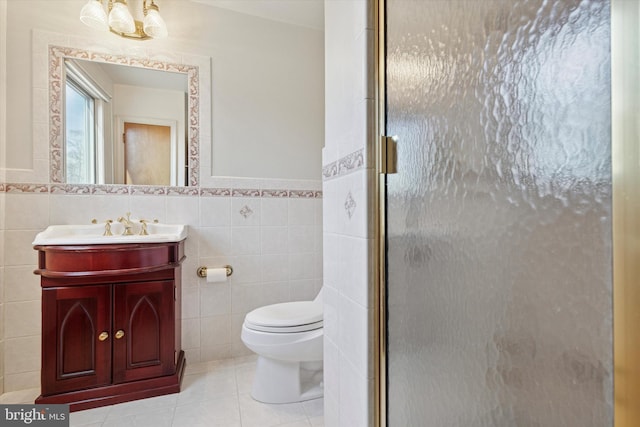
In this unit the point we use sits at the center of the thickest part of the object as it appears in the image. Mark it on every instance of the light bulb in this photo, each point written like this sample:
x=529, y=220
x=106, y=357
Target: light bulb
x=93, y=15
x=120, y=19
x=154, y=25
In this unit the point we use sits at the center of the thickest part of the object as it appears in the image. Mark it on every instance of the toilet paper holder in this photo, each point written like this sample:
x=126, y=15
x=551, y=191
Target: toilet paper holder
x=202, y=271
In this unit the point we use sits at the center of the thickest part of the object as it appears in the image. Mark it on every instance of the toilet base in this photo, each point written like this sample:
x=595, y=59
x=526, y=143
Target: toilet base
x=278, y=381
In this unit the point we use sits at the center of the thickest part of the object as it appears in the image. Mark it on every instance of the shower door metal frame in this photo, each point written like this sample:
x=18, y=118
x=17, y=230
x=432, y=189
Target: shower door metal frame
x=379, y=218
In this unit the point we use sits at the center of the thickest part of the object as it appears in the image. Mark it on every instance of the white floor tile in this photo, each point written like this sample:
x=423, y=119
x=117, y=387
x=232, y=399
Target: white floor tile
x=213, y=394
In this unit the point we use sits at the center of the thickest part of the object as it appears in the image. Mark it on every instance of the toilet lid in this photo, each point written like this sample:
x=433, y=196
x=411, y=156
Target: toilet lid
x=296, y=316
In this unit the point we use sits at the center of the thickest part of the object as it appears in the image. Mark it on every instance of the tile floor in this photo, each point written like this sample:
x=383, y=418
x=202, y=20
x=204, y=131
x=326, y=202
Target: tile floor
x=214, y=394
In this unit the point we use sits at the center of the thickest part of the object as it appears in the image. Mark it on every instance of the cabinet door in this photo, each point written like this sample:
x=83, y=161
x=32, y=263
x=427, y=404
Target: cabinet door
x=144, y=330
x=75, y=350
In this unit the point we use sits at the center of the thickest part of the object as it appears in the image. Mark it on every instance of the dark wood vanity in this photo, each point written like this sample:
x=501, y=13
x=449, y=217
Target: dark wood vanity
x=110, y=322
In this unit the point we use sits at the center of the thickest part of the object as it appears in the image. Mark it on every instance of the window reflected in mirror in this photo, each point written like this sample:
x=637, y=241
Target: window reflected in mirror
x=80, y=136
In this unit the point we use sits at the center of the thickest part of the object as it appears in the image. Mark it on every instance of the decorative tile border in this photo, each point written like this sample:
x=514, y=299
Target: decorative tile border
x=302, y=194
x=137, y=190
x=215, y=192
x=245, y=192
x=143, y=190
x=182, y=191
x=69, y=189
x=347, y=164
x=26, y=188
x=274, y=193
x=110, y=189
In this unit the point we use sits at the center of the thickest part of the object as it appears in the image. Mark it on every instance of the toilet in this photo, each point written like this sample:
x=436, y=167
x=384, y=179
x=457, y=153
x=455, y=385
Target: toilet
x=287, y=338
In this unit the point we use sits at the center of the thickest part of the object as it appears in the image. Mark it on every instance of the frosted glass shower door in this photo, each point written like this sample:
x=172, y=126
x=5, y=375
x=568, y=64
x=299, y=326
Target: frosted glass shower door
x=499, y=257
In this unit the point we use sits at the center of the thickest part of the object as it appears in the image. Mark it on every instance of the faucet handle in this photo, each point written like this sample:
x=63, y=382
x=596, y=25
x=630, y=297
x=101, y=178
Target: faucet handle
x=107, y=228
x=143, y=229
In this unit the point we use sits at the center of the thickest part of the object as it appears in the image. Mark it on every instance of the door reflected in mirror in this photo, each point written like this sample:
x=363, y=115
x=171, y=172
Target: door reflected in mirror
x=147, y=154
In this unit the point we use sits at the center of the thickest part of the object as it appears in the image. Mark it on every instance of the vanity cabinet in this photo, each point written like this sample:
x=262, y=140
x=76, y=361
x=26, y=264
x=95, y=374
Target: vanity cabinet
x=110, y=323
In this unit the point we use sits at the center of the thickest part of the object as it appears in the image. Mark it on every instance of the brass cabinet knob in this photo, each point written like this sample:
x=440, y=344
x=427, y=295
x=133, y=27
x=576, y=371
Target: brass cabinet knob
x=119, y=334
x=103, y=336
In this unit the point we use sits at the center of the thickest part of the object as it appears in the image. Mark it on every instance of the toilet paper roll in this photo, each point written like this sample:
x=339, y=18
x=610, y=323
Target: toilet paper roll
x=216, y=275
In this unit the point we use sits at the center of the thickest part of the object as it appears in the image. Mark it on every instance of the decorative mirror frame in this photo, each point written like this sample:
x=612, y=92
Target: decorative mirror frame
x=57, y=55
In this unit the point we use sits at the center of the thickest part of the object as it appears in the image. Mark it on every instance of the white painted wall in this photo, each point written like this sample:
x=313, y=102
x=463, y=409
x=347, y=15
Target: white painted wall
x=266, y=89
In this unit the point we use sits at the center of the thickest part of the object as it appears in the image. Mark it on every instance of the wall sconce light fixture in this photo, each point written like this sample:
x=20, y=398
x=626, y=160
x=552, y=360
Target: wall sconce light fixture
x=121, y=22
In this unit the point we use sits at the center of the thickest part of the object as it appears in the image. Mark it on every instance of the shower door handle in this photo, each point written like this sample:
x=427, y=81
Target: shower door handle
x=389, y=154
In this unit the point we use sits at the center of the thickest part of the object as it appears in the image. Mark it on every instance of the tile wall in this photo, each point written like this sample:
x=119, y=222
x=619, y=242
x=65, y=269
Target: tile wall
x=2, y=204
x=348, y=219
x=270, y=232
x=3, y=144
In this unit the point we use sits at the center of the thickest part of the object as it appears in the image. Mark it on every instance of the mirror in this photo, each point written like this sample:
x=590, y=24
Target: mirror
x=111, y=114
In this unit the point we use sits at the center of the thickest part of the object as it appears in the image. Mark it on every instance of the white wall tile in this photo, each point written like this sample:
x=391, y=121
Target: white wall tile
x=2, y=352
x=216, y=329
x=215, y=299
x=354, y=255
x=274, y=240
x=22, y=252
x=245, y=241
x=21, y=381
x=353, y=341
x=213, y=241
x=274, y=268
x=302, y=266
x=302, y=239
x=304, y=290
x=246, y=269
x=237, y=346
x=3, y=199
x=2, y=246
x=331, y=316
x=143, y=207
x=331, y=373
x=190, y=303
x=183, y=210
x=22, y=319
x=274, y=211
x=81, y=209
x=191, y=333
x=245, y=211
x=21, y=284
x=302, y=212
x=332, y=206
x=354, y=397
x=192, y=355
x=22, y=354
x=354, y=216
x=26, y=211
x=215, y=211
x=248, y=297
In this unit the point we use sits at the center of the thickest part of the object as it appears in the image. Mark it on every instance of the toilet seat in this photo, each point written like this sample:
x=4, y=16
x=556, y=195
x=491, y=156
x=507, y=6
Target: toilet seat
x=288, y=317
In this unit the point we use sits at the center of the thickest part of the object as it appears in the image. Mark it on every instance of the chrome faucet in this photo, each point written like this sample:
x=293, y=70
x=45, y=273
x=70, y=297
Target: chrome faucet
x=128, y=225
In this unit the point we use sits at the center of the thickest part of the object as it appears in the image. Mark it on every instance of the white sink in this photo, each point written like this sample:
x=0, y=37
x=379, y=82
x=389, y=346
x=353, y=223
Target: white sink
x=93, y=234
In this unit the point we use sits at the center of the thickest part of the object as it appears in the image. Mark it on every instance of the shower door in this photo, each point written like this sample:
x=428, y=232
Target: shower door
x=498, y=299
